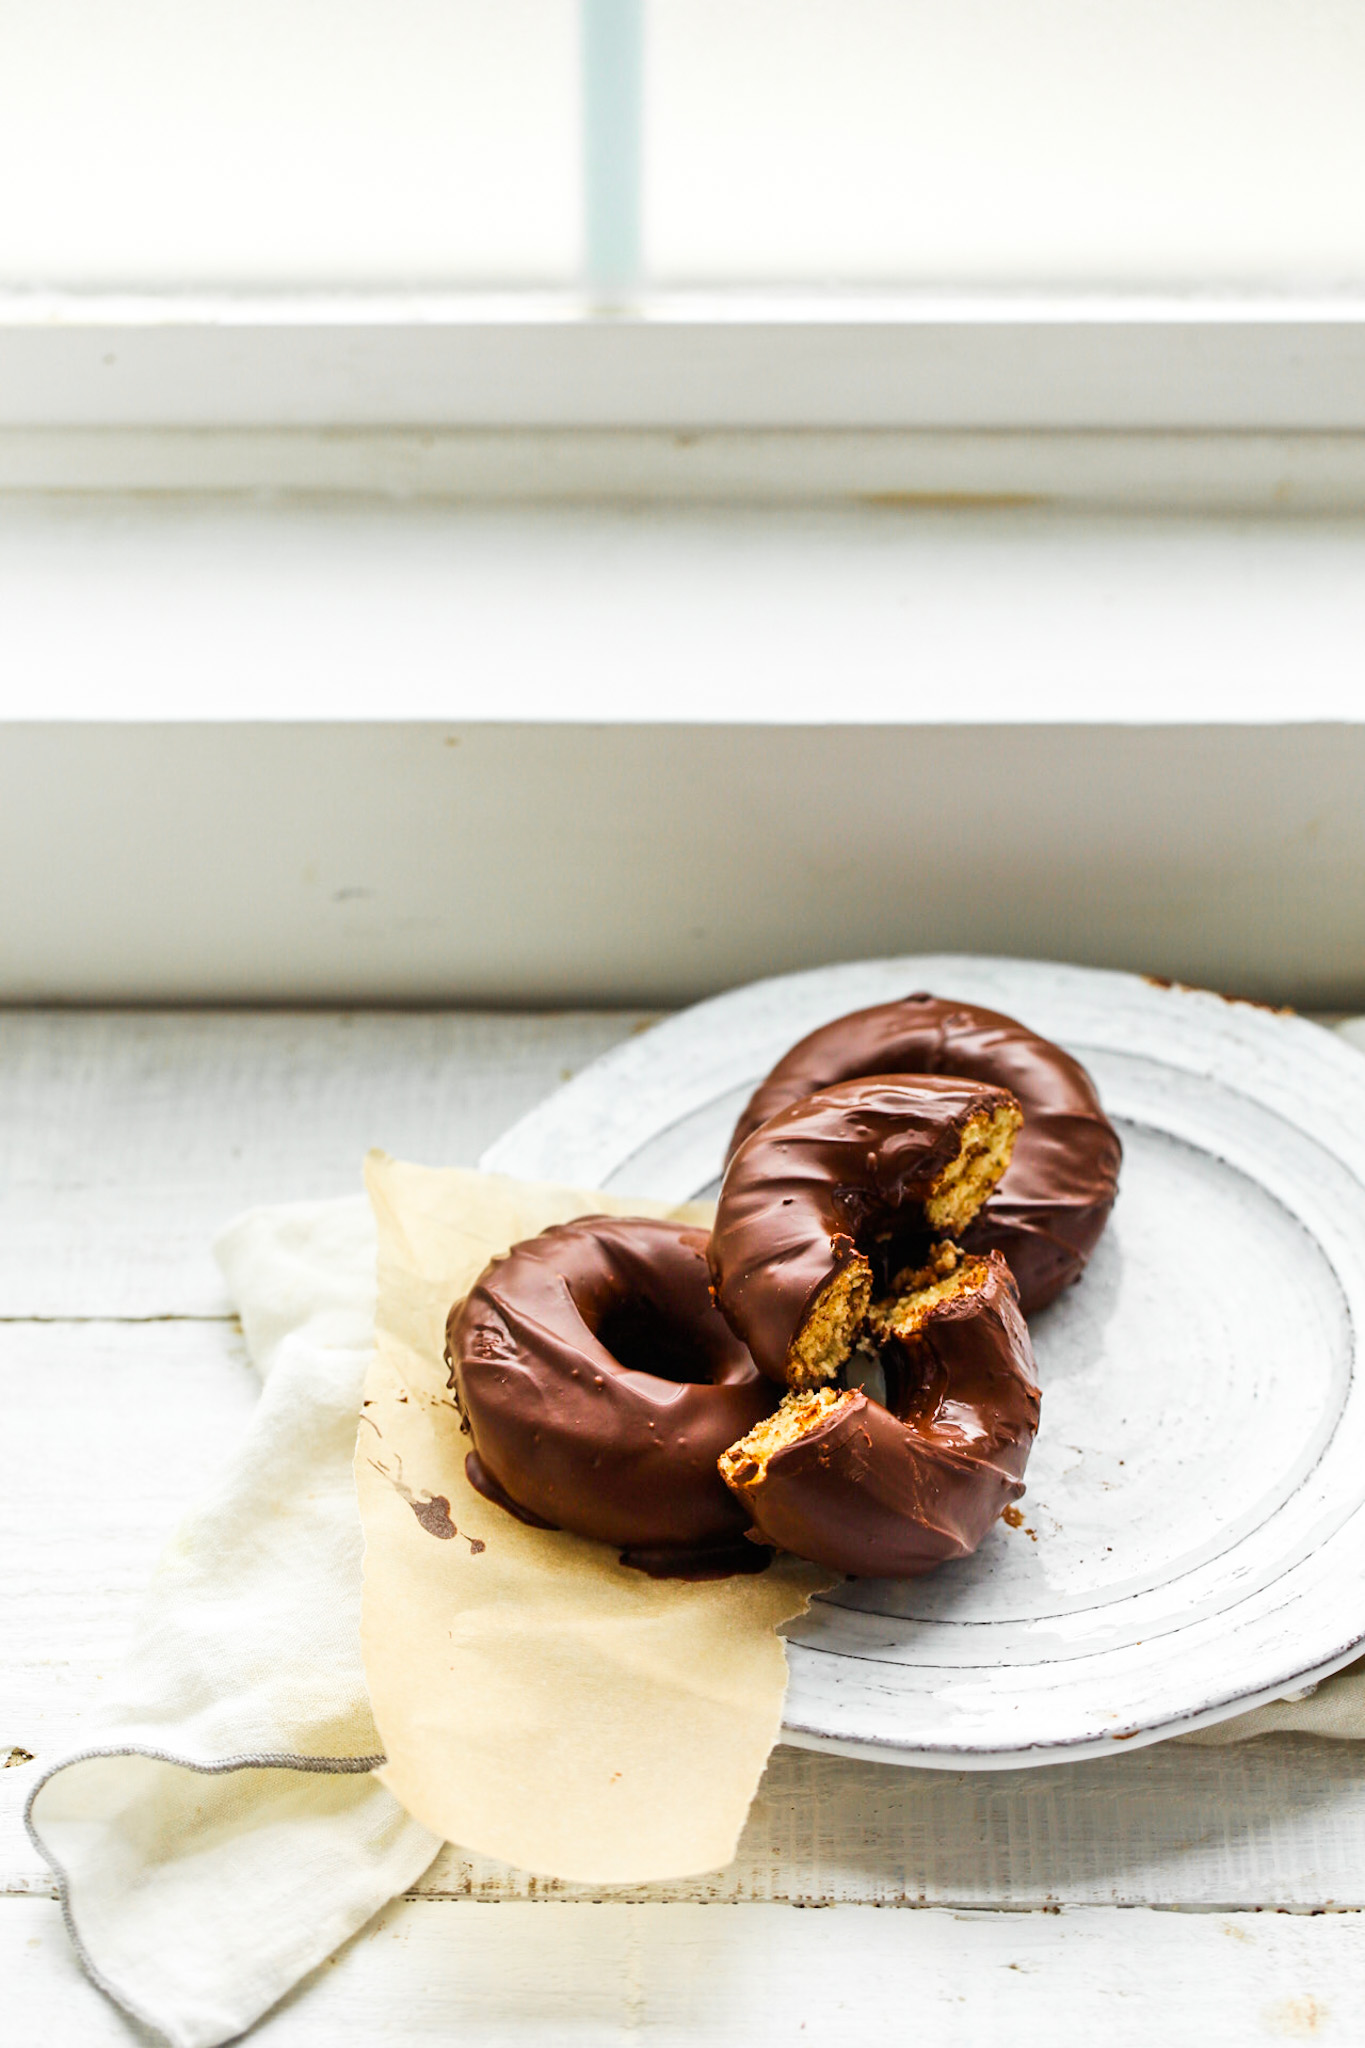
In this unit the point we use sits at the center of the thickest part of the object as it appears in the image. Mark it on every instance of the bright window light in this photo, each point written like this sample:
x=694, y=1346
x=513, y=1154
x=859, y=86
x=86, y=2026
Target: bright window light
x=1104, y=144
x=289, y=144
x=638, y=145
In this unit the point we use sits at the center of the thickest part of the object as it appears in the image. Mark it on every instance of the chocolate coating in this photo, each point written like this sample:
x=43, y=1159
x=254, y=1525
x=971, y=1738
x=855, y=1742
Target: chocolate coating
x=891, y=1492
x=600, y=1384
x=1053, y=1203
x=842, y=1172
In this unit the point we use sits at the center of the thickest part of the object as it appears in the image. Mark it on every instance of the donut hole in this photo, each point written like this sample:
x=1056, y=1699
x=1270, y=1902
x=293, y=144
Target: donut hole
x=912, y=1382
x=746, y=1462
x=948, y=1274
x=869, y=1341
x=842, y=1316
x=865, y=1373
x=899, y=1246
x=847, y=1333
x=967, y=1184
x=642, y=1338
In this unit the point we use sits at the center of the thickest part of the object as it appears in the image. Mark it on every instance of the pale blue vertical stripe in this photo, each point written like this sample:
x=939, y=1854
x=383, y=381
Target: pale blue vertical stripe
x=613, y=75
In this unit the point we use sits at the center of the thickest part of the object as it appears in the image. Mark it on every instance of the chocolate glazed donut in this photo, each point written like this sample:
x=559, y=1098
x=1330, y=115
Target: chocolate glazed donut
x=891, y=1491
x=600, y=1386
x=1055, y=1199
x=831, y=1197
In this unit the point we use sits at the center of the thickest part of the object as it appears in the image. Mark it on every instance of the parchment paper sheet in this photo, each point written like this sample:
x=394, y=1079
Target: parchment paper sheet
x=537, y=1701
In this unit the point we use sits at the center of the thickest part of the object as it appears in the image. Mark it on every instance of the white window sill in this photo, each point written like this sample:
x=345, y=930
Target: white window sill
x=356, y=752
x=690, y=362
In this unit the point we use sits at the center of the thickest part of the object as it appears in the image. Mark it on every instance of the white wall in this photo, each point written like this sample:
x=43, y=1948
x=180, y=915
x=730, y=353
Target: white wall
x=232, y=608
x=528, y=864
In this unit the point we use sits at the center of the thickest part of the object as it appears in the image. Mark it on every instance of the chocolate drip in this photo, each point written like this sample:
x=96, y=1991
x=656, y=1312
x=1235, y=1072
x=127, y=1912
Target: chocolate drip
x=482, y=1481
x=676, y=1561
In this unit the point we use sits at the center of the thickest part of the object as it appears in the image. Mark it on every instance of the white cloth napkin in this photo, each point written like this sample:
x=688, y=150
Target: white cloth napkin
x=227, y=1835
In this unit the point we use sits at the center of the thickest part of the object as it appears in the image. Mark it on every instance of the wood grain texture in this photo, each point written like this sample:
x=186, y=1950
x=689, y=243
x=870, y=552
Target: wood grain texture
x=506, y=1976
x=1277, y=1822
x=119, y=1428
x=131, y=1137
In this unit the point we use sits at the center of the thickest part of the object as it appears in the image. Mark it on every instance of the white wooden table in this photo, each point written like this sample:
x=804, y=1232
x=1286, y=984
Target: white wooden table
x=1174, y=1896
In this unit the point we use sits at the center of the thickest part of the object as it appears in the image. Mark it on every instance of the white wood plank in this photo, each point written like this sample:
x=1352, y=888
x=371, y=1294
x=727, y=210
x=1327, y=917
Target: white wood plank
x=521, y=1974
x=121, y=1134
x=122, y=1426
x=114, y=1429
x=131, y=1137
x=1277, y=1822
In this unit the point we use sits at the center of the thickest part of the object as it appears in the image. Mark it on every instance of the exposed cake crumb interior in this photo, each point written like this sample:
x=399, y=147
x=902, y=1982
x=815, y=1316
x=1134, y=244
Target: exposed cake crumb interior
x=949, y=1275
x=987, y=1143
x=832, y=1328
x=746, y=1461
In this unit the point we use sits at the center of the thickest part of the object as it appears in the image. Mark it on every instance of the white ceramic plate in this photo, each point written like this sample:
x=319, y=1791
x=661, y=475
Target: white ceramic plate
x=1193, y=1538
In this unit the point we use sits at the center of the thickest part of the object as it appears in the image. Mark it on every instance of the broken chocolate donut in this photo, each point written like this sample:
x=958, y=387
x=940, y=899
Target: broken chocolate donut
x=891, y=1487
x=1053, y=1203
x=824, y=1202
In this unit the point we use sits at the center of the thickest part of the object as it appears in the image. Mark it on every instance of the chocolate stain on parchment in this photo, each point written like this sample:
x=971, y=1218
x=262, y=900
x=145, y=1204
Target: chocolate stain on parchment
x=434, y=1516
x=431, y=1509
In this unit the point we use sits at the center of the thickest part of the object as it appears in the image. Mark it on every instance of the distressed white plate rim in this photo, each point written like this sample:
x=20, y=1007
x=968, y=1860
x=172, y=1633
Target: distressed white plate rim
x=1193, y=1538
